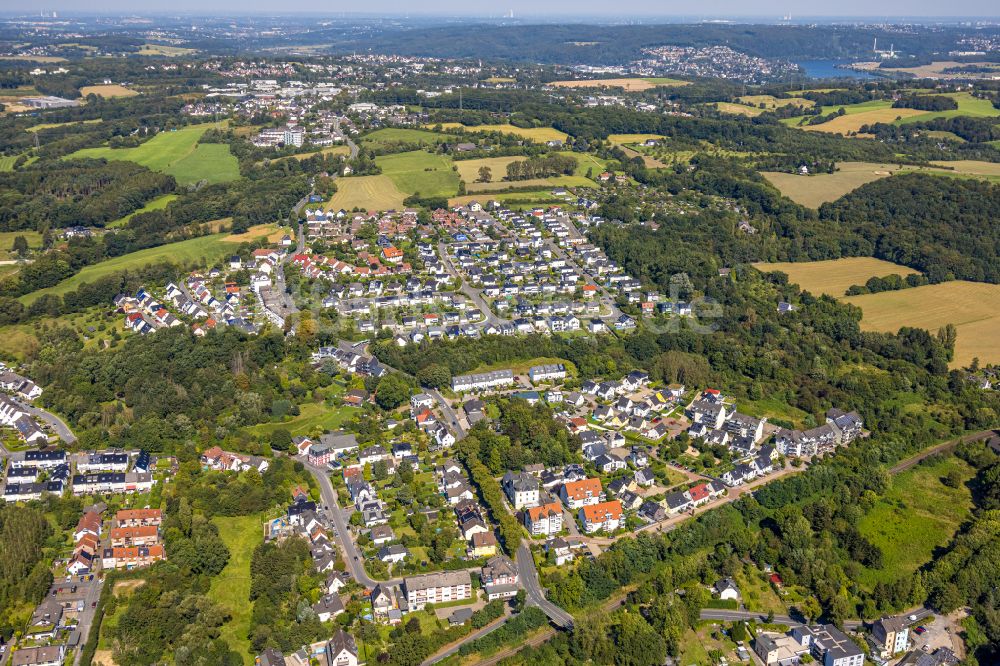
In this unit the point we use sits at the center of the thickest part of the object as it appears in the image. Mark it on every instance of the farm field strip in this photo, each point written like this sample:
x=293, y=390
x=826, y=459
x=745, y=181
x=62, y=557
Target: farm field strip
x=834, y=276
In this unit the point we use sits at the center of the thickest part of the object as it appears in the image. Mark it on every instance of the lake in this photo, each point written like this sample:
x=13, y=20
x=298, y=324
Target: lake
x=827, y=69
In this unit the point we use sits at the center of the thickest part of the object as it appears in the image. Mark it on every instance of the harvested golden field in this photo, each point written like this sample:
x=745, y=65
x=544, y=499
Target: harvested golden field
x=108, y=91
x=628, y=84
x=469, y=169
x=811, y=191
x=972, y=167
x=772, y=102
x=852, y=122
x=973, y=307
x=738, y=109
x=368, y=193
x=272, y=232
x=834, y=276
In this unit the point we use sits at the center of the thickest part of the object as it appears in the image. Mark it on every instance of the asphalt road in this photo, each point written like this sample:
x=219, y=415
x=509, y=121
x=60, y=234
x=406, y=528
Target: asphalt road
x=57, y=424
x=450, y=414
x=851, y=625
x=87, y=616
x=535, y=593
x=444, y=654
x=355, y=563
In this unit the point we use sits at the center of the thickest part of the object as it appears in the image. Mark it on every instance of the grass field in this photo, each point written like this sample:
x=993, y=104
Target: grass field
x=852, y=122
x=204, y=251
x=811, y=191
x=469, y=172
x=41, y=126
x=973, y=307
x=23, y=58
x=231, y=588
x=772, y=102
x=917, y=515
x=621, y=139
x=313, y=418
x=179, y=154
x=108, y=91
x=7, y=241
x=366, y=192
x=628, y=84
x=159, y=203
x=971, y=168
x=164, y=50
x=834, y=276
x=7, y=162
x=515, y=200
x=968, y=105
x=332, y=150
x=738, y=109
x=539, y=134
x=407, y=135
x=420, y=171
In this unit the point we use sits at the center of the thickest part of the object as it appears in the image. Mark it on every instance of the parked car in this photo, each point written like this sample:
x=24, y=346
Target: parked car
x=919, y=630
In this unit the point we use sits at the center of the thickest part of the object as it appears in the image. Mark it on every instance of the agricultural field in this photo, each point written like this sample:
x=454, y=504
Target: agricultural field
x=368, y=193
x=853, y=122
x=968, y=169
x=419, y=171
x=917, y=515
x=33, y=58
x=179, y=154
x=469, y=172
x=973, y=307
x=272, y=232
x=628, y=84
x=159, y=203
x=108, y=91
x=833, y=277
x=738, y=109
x=771, y=102
x=812, y=191
x=539, y=134
x=164, y=50
x=231, y=588
x=204, y=251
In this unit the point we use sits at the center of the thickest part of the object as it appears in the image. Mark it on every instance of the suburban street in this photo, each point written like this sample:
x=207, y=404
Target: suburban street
x=533, y=588
x=87, y=616
x=333, y=512
x=57, y=424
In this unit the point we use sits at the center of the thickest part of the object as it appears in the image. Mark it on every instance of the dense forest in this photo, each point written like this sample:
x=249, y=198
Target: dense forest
x=945, y=227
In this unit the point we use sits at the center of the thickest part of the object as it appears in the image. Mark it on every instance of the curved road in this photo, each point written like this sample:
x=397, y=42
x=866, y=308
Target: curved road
x=57, y=424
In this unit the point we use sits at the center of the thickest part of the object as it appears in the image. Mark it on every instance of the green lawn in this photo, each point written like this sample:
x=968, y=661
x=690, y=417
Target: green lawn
x=420, y=171
x=917, y=515
x=179, y=154
x=968, y=105
x=204, y=251
x=7, y=241
x=313, y=417
x=159, y=203
x=231, y=588
x=405, y=135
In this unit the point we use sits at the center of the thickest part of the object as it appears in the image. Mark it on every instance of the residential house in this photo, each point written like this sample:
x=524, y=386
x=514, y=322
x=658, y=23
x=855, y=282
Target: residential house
x=726, y=589
x=546, y=519
x=890, y=636
x=499, y=578
x=577, y=494
x=437, y=588
x=604, y=516
x=341, y=650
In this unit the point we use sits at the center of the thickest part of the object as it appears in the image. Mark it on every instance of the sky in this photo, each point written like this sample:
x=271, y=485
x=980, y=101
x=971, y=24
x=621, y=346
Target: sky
x=620, y=10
